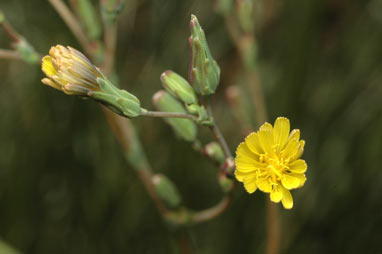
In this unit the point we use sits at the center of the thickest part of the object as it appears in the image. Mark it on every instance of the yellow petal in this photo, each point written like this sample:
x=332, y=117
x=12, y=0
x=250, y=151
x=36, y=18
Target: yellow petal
x=290, y=182
x=250, y=186
x=264, y=185
x=47, y=66
x=298, y=166
x=276, y=194
x=301, y=179
x=266, y=138
x=291, y=149
x=246, y=160
x=287, y=200
x=294, y=134
x=253, y=143
x=243, y=150
x=300, y=150
x=281, y=131
x=49, y=82
x=240, y=176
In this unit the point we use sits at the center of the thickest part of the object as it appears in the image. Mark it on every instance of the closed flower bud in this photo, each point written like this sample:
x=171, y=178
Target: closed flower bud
x=177, y=86
x=166, y=191
x=184, y=128
x=68, y=70
x=204, y=72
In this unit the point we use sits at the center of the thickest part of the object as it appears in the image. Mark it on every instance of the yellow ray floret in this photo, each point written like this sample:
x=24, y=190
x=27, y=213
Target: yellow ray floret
x=269, y=160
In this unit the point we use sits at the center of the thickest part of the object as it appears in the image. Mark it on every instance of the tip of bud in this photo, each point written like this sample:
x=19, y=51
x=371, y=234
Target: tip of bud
x=164, y=74
x=157, y=96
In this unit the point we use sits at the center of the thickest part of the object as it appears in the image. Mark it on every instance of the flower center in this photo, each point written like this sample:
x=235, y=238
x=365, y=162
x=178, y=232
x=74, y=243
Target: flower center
x=276, y=166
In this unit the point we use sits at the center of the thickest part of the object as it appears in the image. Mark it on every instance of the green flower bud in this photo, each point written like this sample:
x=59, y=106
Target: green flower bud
x=166, y=191
x=204, y=72
x=215, y=152
x=184, y=128
x=177, y=86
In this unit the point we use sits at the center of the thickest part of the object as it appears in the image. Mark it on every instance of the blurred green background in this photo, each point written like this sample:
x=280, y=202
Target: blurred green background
x=65, y=187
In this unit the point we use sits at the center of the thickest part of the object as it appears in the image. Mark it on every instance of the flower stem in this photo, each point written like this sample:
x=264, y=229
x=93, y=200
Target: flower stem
x=273, y=234
x=168, y=115
x=243, y=43
x=71, y=21
x=9, y=54
x=216, y=131
x=10, y=31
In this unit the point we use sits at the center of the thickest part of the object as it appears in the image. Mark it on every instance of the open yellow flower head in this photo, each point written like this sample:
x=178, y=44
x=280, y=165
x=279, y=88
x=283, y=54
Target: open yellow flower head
x=269, y=159
x=68, y=70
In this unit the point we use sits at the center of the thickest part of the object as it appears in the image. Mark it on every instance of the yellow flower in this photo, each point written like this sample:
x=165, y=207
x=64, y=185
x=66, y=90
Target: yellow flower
x=68, y=70
x=269, y=159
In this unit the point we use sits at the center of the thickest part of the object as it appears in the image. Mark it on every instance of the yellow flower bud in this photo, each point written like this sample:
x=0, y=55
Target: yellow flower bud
x=68, y=70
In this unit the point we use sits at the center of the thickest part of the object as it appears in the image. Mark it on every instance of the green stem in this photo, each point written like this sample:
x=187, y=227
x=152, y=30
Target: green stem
x=168, y=115
x=216, y=131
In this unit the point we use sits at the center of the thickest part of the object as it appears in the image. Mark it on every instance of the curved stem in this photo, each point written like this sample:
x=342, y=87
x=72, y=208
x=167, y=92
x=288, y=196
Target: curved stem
x=168, y=115
x=212, y=212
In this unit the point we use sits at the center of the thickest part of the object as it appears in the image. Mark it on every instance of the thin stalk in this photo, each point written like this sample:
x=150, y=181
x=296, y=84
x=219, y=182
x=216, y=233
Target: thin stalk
x=212, y=212
x=216, y=131
x=243, y=42
x=168, y=115
x=273, y=233
x=9, y=54
x=72, y=22
x=110, y=39
x=124, y=132
x=10, y=31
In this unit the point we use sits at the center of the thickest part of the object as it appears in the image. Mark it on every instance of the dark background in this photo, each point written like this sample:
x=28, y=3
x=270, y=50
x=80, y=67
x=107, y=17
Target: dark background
x=65, y=187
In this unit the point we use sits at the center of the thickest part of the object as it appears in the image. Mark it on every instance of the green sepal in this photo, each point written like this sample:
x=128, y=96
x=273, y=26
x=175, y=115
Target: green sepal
x=204, y=74
x=201, y=112
x=166, y=191
x=118, y=100
x=184, y=128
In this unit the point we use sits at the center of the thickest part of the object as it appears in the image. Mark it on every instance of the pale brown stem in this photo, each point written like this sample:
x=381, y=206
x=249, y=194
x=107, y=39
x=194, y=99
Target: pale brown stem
x=10, y=31
x=9, y=54
x=110, y=39
x=273, y=233
x=72, y=22
x=243, y=42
